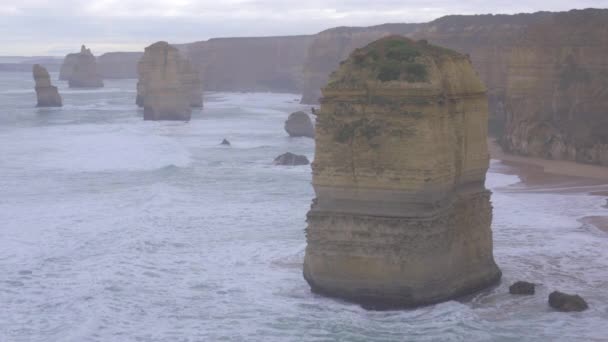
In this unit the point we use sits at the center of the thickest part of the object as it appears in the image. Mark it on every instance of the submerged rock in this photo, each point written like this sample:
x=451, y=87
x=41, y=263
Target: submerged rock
x=291, y=159
x=299, y=125
x=567, y=303
x=401, y=216
x=186, y=80
x=522, y=288
x=225, y=142
x=161, y=90
x=80, y=70
x=46, y=93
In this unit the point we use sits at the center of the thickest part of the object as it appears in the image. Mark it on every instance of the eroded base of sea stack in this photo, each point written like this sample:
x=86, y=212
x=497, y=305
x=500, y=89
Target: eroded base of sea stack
x=385, y=262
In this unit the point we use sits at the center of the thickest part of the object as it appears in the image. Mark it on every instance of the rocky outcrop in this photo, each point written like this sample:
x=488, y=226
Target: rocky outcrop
x=522, y=288
x=557, y=89
x=46, y=93
x=80, y=70
x=567, y=303
x=401, y=216
x=118, y=65
x=298, y=124
x=291, y=159
x=161, y=89
x=250, y=64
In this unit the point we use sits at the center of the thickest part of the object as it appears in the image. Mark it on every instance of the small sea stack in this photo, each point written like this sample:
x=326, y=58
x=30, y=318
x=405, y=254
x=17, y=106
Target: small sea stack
x=566, y=302
x=168, y=85
x=401, y=216
x=80, y=70
x=298, y=124
x=46, y=93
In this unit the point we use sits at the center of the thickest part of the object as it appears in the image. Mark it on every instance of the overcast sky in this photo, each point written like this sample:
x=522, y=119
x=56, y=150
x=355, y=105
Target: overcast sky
x=55, y=27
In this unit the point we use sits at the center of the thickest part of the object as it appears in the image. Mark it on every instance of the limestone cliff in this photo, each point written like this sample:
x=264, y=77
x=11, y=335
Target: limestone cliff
x=46, y=94
x=488, y=39
x=162, y=90
x=117, y=65
x=557, y=89
x=250, y=64
x=80, y=70
x=401, y=215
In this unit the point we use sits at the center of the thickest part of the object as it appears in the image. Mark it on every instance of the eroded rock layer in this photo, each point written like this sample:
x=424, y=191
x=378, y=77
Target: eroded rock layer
x=557, y=89
x=46, y=94
x=401, y=215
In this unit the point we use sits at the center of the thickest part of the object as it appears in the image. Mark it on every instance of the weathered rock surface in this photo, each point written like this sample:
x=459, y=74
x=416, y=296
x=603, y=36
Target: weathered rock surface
x=401, y=216
x=298, y=124
x=291, y=159
x=567, y=303
x=167, y=87
x=522, y=288
x=46, y=93
x=557, y=89
x=118, y=65
x=80, y=70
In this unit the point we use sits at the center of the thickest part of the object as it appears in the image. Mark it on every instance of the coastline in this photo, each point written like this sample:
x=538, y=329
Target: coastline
x=542, y=175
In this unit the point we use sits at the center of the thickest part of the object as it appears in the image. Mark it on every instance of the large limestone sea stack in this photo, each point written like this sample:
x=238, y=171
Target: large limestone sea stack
x=80, y=70
x=46, y=94
x=168, y=86
x=402, y=216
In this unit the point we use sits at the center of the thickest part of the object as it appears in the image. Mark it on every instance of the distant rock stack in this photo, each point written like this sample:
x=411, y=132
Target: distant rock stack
x=168, y=86
x=47, y=94
x=402, y=216
x=80, y=70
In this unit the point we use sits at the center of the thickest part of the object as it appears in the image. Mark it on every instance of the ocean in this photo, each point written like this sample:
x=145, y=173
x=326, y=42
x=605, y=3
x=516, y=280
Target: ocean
x=116, y=229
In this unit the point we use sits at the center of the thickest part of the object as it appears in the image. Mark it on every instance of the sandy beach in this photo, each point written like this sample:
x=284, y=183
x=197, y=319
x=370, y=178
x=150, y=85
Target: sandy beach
x=542, y=175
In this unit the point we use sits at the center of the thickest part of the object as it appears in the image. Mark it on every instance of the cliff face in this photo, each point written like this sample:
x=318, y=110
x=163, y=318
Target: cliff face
x=46, y=94
x=402, y=217
x=557, y=89
x=250, y=64
x=488, y=39
x=116, y=65
x=80, y=70
x=162, y=90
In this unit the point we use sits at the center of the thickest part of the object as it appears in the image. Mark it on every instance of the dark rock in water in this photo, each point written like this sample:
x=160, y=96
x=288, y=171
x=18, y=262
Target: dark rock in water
x=225, y=142
x=567, y=303
x=522, y=288
x=291, y=159
x=299, y=125
x=46, y=93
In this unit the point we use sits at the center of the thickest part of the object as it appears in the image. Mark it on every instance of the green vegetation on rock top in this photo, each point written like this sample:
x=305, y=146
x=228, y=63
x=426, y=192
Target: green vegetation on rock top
x=393, y=58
